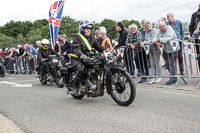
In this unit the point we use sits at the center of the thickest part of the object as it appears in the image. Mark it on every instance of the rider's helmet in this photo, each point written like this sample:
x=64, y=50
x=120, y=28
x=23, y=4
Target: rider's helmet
x=85, y=24
x=45, y=44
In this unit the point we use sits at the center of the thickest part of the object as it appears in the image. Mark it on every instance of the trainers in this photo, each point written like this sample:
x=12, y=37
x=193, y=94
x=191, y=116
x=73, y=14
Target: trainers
x=151, y=82
x=31, y=72
x=182, y=73
x=139, y=74
x=24, y=72
x=158, y=80
x=142, y=80
x=170, y=82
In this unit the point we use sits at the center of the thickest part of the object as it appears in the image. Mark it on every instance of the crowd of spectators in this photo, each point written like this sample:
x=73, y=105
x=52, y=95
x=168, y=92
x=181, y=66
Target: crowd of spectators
x=22, y=59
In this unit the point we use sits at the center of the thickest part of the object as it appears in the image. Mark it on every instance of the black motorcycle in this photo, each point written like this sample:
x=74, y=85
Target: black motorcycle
x=52, y=72
x=102, y=71
x=2, y=70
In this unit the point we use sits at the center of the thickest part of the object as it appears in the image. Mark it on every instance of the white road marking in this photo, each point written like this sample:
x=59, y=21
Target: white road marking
x=16, y=84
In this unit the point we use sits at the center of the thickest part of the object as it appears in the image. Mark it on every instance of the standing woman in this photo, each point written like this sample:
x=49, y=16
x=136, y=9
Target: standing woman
x=154, y=53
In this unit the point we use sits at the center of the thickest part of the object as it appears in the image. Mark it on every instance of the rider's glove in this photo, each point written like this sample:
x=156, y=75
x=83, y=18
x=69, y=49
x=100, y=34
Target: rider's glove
x=85, y=58
x=61, y=58
x=90, y=53
x=43, y=59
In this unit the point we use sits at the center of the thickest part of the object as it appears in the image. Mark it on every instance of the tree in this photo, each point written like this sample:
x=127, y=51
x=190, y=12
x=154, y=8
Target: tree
x=17, y=32
x=20, y=39
x=40, y=23
x=186, y=27
x=69, y=26
x=129, y=22
x=110, y=27
x=14, y=28
x=33, y=36
x=6, y=41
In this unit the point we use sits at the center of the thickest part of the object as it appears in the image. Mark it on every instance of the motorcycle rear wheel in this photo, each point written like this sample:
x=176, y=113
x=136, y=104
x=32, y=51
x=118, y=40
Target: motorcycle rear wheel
x=78, y=97
x=59, y=85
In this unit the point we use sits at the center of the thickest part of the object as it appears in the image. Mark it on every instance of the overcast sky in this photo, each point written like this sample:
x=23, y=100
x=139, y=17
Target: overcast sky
x=97, y=10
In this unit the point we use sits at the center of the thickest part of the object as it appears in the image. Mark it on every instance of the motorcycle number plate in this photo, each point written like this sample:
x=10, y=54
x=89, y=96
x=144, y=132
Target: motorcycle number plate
x=55, y=60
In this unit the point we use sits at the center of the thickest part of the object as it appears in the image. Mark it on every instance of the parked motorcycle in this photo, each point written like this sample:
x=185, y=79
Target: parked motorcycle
x=2, y=69
x=52, y=72
x=102, y=71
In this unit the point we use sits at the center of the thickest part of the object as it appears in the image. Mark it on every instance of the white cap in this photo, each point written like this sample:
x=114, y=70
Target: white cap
x=37, y=42
x=19, y=45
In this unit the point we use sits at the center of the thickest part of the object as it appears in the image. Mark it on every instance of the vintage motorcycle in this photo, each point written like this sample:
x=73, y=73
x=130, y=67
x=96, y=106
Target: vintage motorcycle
x=52, y=72
x=102, y=71
x=2, y=70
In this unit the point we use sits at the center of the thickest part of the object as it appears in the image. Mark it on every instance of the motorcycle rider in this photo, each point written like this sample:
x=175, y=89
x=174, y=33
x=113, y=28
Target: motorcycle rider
x=43, y=54
x=82, y=44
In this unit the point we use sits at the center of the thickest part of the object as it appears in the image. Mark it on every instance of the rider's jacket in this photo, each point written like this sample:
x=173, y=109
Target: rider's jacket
x=80, y=46
x=42, y=53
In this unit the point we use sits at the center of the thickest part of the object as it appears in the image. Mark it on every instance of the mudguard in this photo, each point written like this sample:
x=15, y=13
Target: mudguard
x=113, y=69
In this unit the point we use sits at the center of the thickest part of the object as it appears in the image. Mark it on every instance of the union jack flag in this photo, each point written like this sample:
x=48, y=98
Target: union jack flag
x=55, y=15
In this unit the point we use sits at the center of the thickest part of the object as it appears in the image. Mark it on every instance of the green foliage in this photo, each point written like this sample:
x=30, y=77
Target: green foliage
x=186, y=27
x=40, y=23
x=110, y=27
x=6, y=41
x=127, y=23
x=14, y=28
x=69, y=26
x=13, y=33
x=20, y=39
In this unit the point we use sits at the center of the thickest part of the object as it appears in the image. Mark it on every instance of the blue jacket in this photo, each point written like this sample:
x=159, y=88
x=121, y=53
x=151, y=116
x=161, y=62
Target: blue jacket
x=196, y=34
x=178, y=28
x=30, y=48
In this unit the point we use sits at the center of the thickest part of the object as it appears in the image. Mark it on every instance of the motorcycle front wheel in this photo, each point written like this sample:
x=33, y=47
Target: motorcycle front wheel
x=42, y=79
x=59, y=79
x=122, y=88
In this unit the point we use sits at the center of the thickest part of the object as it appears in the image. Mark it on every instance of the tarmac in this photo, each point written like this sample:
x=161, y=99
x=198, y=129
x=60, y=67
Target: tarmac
x=8, y=126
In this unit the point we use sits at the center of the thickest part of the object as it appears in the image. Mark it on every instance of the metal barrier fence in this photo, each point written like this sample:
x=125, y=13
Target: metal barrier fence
x=193, y=53
x=147, y=61
x=25, y=65
x=142, y=62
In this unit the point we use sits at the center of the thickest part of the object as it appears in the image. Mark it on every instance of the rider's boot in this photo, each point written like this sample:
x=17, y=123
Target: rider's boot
x=76, y=86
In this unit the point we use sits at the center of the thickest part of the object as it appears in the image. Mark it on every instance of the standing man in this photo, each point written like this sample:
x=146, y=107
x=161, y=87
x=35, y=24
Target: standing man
x=38, y=43
x=15, y=60
x=193, y=26
x=123, y=34
x=100, y=39
x=31, y=51
x=134, y=40
x=106, y=41
x=179, y=30
x=9, y=60
x=122, y=37
x=162, y=38
x=143, y=30
x=97, y=33
x=194, y=21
